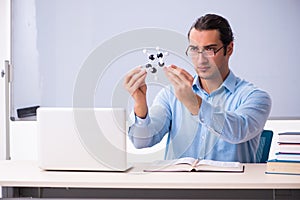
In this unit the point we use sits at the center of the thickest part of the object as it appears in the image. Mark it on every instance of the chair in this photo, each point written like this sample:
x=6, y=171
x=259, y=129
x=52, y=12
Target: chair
x=264, y=146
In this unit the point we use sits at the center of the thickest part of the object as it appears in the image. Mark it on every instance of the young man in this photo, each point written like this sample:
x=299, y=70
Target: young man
x=214, y=115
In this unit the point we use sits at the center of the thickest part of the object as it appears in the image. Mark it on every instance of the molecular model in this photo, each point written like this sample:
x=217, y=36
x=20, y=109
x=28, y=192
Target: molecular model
x=155, y=60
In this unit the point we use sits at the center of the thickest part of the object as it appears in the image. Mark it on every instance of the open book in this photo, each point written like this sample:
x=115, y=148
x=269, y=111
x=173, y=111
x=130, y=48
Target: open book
x=189, y=164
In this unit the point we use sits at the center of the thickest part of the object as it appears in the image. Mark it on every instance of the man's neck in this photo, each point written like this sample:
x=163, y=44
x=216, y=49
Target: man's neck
x=210, y=85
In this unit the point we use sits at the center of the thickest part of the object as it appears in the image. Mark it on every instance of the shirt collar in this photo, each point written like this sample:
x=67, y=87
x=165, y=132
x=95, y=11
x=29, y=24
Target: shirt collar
x=229, y=83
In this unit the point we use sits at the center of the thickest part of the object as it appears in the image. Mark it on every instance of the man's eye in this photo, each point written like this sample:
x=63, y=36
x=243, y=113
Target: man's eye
x=194, y=48
x=209, y=49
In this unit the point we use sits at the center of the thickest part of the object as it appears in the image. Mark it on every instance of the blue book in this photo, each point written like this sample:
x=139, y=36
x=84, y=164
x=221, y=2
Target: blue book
x=289, y=148
x=284, y=161
x=287, y=156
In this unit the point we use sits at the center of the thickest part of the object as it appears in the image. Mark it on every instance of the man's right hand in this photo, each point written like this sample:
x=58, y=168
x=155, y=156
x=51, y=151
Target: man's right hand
x=135, y=84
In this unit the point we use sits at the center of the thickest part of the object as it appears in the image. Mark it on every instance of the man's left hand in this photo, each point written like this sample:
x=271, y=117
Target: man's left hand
x=182, y=82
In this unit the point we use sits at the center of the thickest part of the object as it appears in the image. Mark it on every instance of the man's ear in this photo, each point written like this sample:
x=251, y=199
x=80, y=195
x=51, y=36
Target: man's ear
x=229, y=49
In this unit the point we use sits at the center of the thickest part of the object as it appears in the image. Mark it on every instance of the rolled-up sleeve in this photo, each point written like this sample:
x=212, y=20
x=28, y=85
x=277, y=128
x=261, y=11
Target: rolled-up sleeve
x=150, y=131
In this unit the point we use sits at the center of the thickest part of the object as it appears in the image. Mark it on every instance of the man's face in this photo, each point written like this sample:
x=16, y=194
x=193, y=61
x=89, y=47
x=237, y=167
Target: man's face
x=210, y=68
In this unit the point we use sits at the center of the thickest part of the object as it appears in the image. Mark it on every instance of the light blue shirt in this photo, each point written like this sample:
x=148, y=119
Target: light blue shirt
x=227, y=127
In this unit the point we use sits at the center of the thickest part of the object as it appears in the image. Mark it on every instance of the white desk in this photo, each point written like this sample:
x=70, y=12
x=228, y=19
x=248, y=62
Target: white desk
x=25, y=179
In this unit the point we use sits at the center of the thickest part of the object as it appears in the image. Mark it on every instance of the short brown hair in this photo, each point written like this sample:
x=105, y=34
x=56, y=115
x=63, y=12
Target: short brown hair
x=214, y=22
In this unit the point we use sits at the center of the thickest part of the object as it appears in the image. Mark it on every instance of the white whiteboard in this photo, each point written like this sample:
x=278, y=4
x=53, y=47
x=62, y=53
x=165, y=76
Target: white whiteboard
x=52, y=40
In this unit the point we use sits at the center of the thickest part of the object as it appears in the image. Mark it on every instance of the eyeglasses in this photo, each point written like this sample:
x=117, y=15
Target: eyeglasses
x=194, y=51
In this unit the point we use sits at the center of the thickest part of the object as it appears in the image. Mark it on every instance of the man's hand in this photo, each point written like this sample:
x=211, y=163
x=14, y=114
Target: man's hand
x=134, y=83
x=182, y=82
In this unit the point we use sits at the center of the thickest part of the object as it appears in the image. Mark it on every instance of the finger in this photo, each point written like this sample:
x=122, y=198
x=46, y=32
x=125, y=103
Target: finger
x=134, y=75
x=181, y=73
x=134, y=78
x=137, y=78
x=172, y=77
x=174, y=73
x=141, y=80
x=136, y=84
x=131, y=73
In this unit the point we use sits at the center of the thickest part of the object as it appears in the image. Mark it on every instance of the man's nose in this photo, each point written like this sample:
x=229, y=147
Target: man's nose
x=201, y=59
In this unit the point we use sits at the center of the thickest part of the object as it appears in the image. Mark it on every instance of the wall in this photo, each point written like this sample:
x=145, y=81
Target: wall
x=4, y=55
x=61, y=35
x=24, y=141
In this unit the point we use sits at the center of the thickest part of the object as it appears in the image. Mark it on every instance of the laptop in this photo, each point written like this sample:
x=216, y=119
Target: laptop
x=84, y=139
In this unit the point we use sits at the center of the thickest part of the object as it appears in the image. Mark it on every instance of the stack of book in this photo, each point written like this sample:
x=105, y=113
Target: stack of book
x=287, y=159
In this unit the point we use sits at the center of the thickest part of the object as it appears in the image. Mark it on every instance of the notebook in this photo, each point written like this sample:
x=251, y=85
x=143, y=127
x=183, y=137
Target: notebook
x=84, y=139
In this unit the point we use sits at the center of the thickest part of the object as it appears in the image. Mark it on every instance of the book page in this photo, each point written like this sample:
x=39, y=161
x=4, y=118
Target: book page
x=218, y=163
x=219, y=166
x=188, y=164
x=170, y=168
x=185, y=160
x=182, y=164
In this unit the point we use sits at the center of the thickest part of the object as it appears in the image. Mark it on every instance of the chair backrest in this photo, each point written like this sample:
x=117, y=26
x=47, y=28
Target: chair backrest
x=263, y=150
